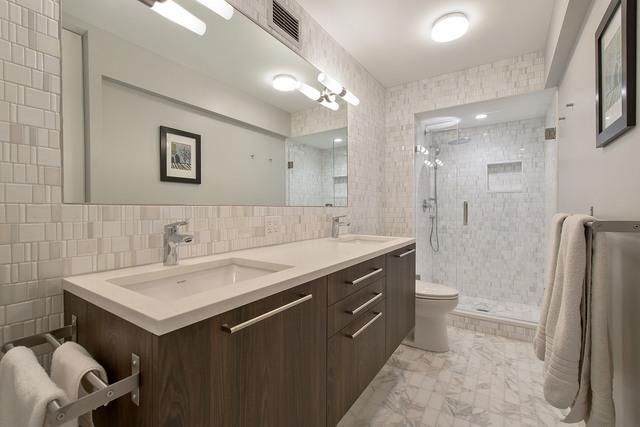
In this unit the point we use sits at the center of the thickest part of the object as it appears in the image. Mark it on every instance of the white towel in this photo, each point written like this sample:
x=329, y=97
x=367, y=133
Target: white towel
x=25, y=390
x=539, y=342
x=594, y=402
x=564, y=333
x=69, y=364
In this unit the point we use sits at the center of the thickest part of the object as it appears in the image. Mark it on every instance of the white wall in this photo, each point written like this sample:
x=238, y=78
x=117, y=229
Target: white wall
x=125, y=166
x=608, y=180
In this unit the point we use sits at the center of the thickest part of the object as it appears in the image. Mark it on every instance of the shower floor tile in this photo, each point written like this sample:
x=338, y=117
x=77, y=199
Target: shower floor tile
x=484, y=380
x=509, y=310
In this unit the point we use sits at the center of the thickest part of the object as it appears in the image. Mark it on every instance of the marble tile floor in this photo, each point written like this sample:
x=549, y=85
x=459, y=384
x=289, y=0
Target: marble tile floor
x=484, y=380
x=509, y=310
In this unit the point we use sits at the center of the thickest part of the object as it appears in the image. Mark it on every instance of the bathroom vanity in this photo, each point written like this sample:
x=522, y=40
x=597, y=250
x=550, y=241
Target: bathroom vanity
x=287, y=335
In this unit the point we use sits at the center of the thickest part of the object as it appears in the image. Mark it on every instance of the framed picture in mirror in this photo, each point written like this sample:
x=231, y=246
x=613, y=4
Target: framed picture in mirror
x=179, y=156
x=616, y=71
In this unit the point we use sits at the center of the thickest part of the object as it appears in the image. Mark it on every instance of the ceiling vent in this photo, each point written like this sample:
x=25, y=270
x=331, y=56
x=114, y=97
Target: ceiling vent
x=285, y=23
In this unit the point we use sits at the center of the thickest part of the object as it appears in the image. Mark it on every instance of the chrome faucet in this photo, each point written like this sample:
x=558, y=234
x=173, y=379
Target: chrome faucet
x=336, y=224
x=170, y=241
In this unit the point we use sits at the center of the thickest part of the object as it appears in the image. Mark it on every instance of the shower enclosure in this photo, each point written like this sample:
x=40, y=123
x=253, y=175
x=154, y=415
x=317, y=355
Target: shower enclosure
x=484, y=192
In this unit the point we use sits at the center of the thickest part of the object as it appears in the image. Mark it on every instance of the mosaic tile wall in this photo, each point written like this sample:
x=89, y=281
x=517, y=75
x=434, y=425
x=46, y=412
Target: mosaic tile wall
x=499, y=255
x=310, y=181
x=513, y=76
x=41, y=240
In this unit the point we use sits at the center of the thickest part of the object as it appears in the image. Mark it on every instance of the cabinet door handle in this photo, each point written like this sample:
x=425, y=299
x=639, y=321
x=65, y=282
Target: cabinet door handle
x=376, y=297
x=402, y=255
x=365, y=277
x=241, y=326
x=366, y=325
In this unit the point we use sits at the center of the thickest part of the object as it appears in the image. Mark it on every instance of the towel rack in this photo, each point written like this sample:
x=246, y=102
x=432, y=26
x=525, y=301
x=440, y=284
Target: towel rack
x=614, y=226
x=103, y=394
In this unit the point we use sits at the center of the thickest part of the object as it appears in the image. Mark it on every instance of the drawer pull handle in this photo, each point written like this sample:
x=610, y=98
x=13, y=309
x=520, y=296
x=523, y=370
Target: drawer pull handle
x=409, y=252
x=365, y=277
x=366, y=325
x=376, y=297
x=241, y=326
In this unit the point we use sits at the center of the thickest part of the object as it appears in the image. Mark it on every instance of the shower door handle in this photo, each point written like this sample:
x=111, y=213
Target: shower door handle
x=465, y=213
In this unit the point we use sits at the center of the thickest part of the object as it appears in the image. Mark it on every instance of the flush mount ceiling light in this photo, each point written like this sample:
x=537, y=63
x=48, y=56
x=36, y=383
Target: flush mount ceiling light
x=450, y=27
x=337, y=89
x=220, y=7
x=176, y=13
x=284, y=83
x=481, y=116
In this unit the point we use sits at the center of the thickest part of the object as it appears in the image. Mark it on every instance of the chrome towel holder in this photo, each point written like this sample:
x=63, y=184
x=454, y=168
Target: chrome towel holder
x=103, y=393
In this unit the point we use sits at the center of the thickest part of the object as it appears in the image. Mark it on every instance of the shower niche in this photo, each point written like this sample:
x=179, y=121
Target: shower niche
x=505, y=177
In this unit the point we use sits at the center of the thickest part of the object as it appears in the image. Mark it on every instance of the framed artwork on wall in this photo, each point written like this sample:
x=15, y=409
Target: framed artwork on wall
x=179, y=156
x=616, y=71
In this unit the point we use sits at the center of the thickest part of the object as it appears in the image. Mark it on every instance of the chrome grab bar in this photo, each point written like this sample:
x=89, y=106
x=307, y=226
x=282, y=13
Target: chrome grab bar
x=376, y=297
x=365, y=277
x=241, y=326
x=409, y=252
x=366, y=325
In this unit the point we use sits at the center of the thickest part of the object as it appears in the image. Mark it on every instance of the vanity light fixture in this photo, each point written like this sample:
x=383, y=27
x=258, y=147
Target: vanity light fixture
x=176, y=13
x=337, y=89
x=450, y=27
x=220, y=7
x=481, y=116
x=288, y=83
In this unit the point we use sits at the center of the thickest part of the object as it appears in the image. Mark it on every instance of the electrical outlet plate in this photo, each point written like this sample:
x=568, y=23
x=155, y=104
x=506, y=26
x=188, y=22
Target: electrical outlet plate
x=272, y=225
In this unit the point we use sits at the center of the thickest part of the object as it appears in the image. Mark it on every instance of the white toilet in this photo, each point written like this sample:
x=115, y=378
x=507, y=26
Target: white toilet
x=433, y=302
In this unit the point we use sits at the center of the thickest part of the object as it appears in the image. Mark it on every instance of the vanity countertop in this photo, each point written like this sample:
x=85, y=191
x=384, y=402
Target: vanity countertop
x=299, y=263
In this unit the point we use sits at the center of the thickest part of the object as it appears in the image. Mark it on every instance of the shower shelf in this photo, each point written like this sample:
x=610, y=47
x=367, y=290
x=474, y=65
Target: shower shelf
x=505, y=177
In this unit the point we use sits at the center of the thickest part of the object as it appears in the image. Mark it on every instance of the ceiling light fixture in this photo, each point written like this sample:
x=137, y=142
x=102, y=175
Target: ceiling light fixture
x=176, y=13
x=450, y=27
x=337, y=140
x=481, y=116
x=338, y=89
x=284, y=83
x=220, y=7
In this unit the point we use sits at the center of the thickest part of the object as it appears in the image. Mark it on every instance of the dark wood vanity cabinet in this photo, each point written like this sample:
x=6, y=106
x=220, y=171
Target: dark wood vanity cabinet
x=401, y=295
x=271, y=373
x=300, y=357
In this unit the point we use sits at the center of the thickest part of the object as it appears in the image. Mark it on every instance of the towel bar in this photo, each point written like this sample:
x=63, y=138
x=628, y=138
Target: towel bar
x=614, y=226
x=103, y=394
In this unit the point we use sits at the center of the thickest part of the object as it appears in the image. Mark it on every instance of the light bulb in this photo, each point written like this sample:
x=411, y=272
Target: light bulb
x=338, y=89
x=481, y=116
x=284, y=82
x=176, y=13
x=330, y=105
x=337, y=140
x=309, y=92
x=450, y=27
x=220, y=7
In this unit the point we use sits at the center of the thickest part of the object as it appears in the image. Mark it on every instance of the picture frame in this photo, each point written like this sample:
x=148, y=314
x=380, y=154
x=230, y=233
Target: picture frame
x=179, y=156
x=616, y=71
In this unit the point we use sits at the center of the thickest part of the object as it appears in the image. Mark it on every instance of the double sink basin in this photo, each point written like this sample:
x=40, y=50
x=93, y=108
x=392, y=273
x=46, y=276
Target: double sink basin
x=183, y=281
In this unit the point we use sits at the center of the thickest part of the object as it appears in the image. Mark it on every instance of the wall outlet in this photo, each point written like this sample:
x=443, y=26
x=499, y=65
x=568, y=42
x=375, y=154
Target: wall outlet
x=272, y=225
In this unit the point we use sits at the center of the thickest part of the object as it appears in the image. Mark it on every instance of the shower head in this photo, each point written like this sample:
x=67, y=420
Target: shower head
x=459, y=141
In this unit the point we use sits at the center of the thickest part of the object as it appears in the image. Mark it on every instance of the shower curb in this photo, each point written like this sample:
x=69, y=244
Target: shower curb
x=492, y=325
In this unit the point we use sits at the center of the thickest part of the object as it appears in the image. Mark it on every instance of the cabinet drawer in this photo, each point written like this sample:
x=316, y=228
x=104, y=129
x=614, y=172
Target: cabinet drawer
x=345, y=282
x=354, y=357
x=354, y=306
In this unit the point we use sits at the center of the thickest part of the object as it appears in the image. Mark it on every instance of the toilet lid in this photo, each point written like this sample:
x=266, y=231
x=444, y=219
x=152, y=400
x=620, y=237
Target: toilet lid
x=434, y=291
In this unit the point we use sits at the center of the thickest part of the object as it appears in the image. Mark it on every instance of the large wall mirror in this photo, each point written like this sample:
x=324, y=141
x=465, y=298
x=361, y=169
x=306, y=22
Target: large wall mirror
x=156, y=114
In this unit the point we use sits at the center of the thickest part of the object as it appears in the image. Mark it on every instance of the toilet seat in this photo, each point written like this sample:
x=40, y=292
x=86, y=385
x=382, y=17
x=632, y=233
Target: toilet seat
x=435, y=291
